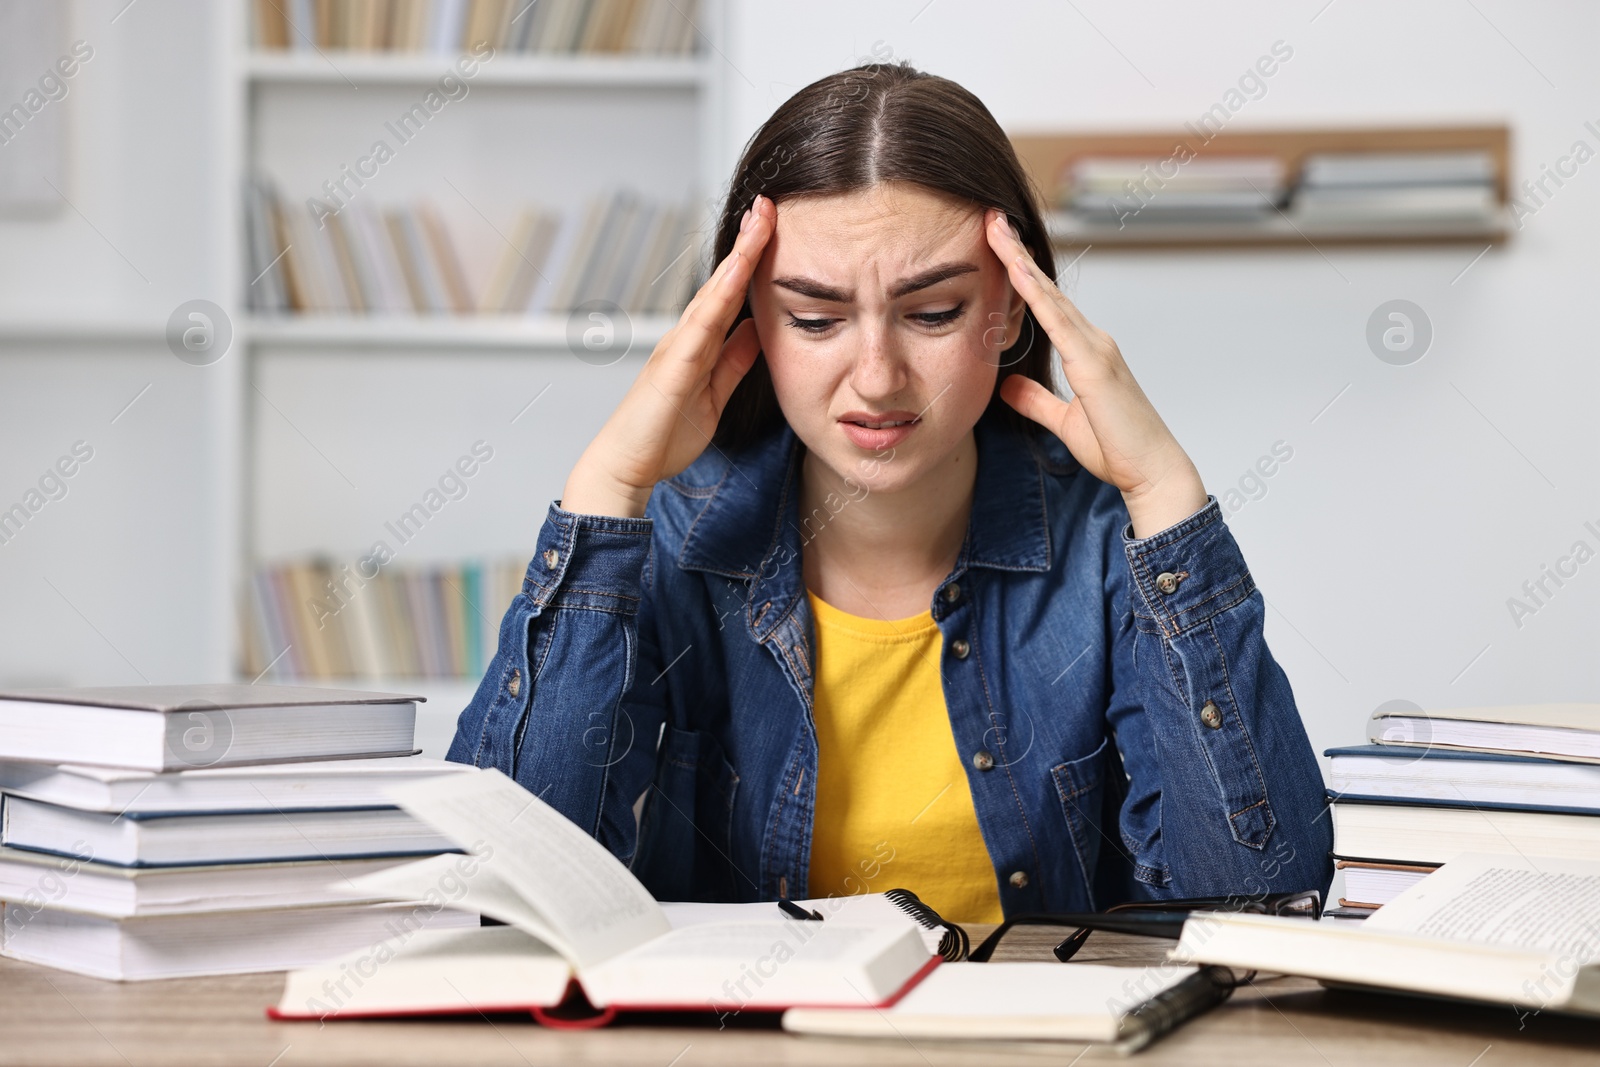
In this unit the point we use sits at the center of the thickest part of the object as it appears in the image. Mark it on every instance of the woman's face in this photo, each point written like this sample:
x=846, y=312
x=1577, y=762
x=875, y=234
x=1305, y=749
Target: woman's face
x=883, y=304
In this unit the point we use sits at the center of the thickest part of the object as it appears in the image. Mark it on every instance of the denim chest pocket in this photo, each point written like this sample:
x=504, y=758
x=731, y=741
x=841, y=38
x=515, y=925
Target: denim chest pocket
x=686, y=827
x=1079, y=783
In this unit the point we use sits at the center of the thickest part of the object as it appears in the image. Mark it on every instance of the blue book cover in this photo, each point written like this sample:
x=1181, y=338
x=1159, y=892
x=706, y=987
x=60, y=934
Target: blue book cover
x=1463, y=804
x=143, y=865
x=157, y=816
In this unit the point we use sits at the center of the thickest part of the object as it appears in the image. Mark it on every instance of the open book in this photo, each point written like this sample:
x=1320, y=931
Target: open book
x=584, y=928
x=1500, y=929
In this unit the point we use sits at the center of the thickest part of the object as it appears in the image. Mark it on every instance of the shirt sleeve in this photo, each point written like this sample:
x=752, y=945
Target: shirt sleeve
x=1225, y=795
x=558, y=709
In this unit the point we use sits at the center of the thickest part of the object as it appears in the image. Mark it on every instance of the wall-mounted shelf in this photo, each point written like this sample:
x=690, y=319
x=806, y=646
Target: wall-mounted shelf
x=1273, y=230
x=1047, y=157
x=68, y=329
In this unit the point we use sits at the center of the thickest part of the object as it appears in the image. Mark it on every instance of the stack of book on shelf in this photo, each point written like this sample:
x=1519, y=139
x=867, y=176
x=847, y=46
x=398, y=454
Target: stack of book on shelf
x=1437, y=189
x=1521, y=779
x=632, y=252
x=316, y=620
x=1122, y=192
x=657, y=27
x=168, y=831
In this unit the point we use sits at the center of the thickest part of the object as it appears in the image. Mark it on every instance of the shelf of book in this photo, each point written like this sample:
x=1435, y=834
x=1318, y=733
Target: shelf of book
x=638, y=27
x=383, y=334
x=385, y=68
x=1204, y=187
x=502, y=193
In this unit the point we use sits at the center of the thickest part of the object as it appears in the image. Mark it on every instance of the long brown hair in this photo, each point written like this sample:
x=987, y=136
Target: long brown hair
x=874, y=123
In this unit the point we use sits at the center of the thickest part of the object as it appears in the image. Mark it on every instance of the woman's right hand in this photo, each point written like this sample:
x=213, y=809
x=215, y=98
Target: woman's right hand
x=670, y=412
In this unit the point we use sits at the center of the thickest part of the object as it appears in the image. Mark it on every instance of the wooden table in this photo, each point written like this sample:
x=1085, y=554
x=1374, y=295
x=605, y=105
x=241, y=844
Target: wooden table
x=52, y=1017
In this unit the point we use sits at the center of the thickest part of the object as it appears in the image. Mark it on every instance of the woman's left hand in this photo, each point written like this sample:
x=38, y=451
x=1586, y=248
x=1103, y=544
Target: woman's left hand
x=1109, y=425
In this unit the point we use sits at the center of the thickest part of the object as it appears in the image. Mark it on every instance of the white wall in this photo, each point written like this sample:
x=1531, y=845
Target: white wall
x=134, y=549
x=1420, y=501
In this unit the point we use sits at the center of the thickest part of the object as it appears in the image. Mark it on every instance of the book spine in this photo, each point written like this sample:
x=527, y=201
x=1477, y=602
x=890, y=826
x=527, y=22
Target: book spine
x=472, y=583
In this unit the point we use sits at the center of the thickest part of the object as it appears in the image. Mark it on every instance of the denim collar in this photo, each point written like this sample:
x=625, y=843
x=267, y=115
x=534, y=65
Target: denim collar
x=750, y=527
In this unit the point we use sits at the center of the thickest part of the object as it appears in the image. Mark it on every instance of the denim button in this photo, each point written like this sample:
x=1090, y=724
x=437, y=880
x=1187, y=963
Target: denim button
x=1166, y=581
x=960, y=647
x=952, y=593
x=1018, y=879
x=551, y=558
x=514, y=683
x=982, y=760
x=1210, y=714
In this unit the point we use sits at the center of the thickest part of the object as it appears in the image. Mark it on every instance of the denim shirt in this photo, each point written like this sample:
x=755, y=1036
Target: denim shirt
x=1124, y=730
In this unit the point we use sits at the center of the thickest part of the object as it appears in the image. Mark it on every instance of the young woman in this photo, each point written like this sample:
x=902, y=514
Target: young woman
x=854, y=600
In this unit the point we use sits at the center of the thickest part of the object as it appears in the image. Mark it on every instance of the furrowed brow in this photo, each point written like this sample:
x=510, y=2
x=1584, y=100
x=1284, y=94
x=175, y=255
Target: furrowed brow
x=822, y=291
x=814, y=289
x=931, y=276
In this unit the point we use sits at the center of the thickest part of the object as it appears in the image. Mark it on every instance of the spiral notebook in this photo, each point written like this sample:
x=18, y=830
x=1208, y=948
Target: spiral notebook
x=1124, y=1007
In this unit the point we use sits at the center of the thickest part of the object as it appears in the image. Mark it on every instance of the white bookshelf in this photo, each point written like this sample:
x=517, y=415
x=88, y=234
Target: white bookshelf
x=552, y=129
x=67, y=329
x=412, y=68
x=380, y=333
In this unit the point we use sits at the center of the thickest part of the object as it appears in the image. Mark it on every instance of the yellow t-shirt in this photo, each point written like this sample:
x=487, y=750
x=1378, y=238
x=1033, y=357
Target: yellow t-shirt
x=893, y=806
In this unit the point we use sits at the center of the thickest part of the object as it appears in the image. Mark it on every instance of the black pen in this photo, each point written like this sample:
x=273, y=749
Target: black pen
x=795, y=911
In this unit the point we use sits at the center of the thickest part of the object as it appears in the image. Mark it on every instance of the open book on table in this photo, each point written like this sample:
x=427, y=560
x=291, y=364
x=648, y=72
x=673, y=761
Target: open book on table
x=1523, y=931
x=583, y=933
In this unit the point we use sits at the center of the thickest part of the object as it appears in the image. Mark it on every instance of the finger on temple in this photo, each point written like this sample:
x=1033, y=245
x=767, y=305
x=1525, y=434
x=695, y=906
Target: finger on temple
x=1035, y=401
x=737, y=357
x=711, y=310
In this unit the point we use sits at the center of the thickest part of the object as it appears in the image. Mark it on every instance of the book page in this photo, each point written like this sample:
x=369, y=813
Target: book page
x=776, y=963
x=484, y=968
x=1542, y=904
x=741, y=941
x=455, y=881
x=1561, y=716
x=594, y=905
x=865, y=909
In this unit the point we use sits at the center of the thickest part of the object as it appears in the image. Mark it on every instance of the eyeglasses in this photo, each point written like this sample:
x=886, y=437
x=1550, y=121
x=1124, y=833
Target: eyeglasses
x=1151, y=918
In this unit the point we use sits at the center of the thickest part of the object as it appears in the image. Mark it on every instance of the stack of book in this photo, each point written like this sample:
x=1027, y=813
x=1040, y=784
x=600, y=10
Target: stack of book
x=656, y=27
x=625, y=249
x=1515, y=780
x=314, y=619
x=1119, y=191
x=168, y=831
x=1357, y=188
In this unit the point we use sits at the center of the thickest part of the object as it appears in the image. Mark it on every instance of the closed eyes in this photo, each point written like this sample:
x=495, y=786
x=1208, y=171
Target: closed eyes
x=931, y=319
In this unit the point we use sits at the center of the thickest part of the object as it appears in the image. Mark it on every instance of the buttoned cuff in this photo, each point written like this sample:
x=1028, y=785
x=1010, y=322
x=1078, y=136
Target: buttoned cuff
x=1188, y=573
x=594, y=561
